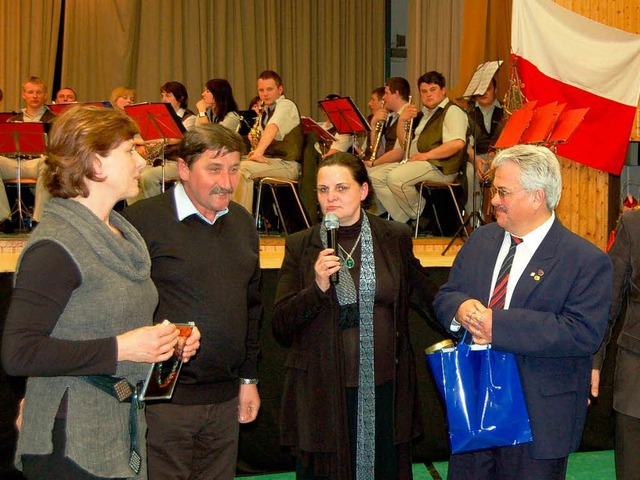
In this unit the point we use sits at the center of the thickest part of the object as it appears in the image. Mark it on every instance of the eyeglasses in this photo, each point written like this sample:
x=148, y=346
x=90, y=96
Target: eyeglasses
x=503, y=192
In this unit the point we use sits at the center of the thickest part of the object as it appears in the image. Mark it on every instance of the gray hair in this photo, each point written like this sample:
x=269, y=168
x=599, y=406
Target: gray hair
x=210, y=136
x=539, y=170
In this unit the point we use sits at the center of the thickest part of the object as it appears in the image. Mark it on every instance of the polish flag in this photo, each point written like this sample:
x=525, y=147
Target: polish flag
x=565, y=57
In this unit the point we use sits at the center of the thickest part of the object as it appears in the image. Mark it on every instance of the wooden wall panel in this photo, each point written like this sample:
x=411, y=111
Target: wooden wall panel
x=589, y=204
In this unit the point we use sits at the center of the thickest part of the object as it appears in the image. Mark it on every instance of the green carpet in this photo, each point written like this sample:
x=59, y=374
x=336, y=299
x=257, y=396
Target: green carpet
x=582, y=466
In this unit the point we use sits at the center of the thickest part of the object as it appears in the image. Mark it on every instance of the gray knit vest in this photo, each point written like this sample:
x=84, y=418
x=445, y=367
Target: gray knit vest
x=116, y=295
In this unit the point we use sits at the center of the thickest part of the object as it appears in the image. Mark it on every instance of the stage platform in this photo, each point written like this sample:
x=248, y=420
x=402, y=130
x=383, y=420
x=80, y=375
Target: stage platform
x=428, y=250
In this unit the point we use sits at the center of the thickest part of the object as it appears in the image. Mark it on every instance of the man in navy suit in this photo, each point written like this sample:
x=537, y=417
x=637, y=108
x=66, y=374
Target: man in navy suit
x=554, y=316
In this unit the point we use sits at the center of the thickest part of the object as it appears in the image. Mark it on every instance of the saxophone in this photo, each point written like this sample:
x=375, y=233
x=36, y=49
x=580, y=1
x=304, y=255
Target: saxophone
x=378, y=131
x=408, y=130
x=255, y=131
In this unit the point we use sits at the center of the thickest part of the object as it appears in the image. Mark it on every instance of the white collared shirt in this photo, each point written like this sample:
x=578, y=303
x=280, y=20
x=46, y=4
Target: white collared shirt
x=524, y=253
x=186, y=208
x=33, y=118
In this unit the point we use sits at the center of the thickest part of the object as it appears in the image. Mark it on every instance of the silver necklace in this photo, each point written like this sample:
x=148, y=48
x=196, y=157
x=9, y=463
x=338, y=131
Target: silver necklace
x=348, y=259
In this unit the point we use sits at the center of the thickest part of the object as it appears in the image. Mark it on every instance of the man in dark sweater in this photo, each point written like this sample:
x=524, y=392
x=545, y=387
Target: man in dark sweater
x=205, y=264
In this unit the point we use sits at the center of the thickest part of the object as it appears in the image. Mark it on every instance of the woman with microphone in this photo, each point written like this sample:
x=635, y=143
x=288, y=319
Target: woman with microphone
x=349, y=406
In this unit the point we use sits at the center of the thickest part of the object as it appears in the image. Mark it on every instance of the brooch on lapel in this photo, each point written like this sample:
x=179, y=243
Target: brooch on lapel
x=537, y=275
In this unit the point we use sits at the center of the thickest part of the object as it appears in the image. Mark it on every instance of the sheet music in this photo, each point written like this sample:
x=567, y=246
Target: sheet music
x=481, y=78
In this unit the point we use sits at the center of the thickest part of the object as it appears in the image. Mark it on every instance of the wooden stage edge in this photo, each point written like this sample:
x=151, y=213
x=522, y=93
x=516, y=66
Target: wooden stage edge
x=427, y=250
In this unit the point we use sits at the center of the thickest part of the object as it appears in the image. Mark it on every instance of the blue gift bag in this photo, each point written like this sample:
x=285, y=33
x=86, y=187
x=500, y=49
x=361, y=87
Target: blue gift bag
x=483, y=397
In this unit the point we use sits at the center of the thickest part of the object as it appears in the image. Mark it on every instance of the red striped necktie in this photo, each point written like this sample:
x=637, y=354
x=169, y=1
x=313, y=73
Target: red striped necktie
x=499, y=294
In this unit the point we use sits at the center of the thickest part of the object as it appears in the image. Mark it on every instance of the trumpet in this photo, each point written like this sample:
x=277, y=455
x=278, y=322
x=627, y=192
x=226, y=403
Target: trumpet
x=408, y=130
x=255, y=130
x=378, y=131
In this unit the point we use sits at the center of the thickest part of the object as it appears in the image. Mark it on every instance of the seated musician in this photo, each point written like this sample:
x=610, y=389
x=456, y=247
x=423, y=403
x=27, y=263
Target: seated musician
x=384, y=135
x=65, y=95
x=122, y=97
x=485, y=127
x=175, y=94
x=436, y=152
x=376, y=102
x=34, y=94
x=277, y=140
x=217, y=105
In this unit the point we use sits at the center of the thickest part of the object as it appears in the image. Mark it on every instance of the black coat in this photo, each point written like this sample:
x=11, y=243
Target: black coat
x=625, y=256
x=314, y=414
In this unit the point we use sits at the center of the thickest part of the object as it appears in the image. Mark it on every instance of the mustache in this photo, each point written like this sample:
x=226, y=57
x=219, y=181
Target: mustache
x=218, y=190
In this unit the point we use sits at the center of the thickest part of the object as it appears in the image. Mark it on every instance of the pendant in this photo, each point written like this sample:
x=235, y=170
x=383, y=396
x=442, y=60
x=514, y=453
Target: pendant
x=349, y=263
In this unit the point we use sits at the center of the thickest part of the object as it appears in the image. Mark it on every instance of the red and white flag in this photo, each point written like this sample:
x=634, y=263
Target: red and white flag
x=565, y=57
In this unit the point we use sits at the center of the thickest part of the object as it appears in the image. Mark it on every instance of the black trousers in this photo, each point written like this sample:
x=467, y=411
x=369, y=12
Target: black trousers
x=627, y=438
x=192, y=442
x=505, y=463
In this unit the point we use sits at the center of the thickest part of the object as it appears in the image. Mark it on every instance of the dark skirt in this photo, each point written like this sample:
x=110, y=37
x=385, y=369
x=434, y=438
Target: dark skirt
x=392, y=461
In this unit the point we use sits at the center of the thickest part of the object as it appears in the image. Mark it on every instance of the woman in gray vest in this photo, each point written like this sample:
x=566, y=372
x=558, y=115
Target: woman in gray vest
x=82, y=309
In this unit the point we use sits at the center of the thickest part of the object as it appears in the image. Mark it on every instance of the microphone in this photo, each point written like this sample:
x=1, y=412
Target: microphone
x=331, y=223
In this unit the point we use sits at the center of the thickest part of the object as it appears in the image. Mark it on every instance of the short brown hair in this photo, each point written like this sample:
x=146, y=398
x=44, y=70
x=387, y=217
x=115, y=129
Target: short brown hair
x=208, y=136
x=400, y=85
x=270, y=75
x=378, y=92
x=75, y=138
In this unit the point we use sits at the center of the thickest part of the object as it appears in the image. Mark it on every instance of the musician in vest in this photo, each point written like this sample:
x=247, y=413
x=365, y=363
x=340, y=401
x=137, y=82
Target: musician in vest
x=485, y=128
x=388, y=151
x=436, y=152
x=34, y=94
x=278, y=152
x=396, y=99
x=375, y=103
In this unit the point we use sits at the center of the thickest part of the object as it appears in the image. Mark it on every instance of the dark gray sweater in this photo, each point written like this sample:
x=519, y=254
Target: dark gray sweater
x=208, y=274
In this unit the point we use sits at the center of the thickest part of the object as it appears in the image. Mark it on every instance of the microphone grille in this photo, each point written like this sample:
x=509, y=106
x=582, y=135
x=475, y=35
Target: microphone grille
x=331, y=221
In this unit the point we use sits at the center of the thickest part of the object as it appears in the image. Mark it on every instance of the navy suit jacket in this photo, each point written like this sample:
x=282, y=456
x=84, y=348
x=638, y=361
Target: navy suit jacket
x=554, y=325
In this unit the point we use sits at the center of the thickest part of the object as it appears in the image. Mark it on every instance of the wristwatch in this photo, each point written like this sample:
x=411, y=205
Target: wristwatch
x=248, y=381
x=202, y=114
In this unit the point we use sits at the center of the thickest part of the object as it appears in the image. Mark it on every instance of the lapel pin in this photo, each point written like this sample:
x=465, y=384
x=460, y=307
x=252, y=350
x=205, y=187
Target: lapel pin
x=537, y=275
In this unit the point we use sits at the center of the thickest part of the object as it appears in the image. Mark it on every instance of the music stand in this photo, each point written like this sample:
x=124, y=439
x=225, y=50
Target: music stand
x=311, y=126
x=345, y=116
x=4, y=116
x=156, y=121
x=480, y=80
x=566, y=125
x=516, y=126
x=542, y=123
x=22, y=141
x=60, y=108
